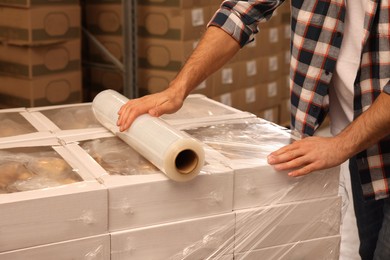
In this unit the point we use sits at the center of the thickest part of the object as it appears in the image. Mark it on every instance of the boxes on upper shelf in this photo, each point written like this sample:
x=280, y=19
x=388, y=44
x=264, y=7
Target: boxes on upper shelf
x=98, y=79
x=39, y=25
x=107, y=44
x=172, y=23
x=30, y=62
x=104, y=19
x=46, y=191
x=32, y=3
x=61, y=88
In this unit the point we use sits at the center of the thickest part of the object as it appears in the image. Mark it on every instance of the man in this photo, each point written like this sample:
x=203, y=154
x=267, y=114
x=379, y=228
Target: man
x=340, y=63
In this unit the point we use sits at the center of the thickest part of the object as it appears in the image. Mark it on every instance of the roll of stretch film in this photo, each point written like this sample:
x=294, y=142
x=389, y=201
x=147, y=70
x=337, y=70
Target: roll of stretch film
x=179, y=156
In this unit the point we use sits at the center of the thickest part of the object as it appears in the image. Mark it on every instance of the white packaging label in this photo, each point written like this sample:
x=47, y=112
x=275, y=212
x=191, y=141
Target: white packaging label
x=273, y=63
x=197, y=17
x=287, y=57
x=251, y=68
x=273, y=35
x=226, y=99
x=227, y=76
x=287, y=32
x=269, y=115
x=272, y=89
x=250, y=95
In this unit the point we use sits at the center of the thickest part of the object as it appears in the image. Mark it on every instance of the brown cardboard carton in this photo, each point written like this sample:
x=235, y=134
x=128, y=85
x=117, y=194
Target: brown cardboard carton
x=285, y=112
x=39, y=25
x=164, y=54
x=268, y=95
x=98, y=79
x=29, y=62
x=62, y=88
x=112, y=44
x=244, y=99
x=227, y=79
x=172, y=23
x=270, y=114
x=152, y=81
x=32, y=3
x=180, y=3
x=104, y=19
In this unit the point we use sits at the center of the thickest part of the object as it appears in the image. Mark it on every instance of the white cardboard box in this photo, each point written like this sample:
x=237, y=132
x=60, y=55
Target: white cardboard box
x=88, y=248
x=320, y=248
x=145, y=196
x=275, y=225
x=41, y=214
x=190, y=239
x=245, y=145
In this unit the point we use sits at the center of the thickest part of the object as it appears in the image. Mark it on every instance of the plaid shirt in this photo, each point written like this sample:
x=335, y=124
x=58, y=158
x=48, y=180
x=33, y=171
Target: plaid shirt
x=317, y=32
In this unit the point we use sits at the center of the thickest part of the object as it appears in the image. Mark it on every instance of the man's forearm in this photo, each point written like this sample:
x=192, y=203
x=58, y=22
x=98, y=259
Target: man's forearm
x=214, y=50
x=368, y=129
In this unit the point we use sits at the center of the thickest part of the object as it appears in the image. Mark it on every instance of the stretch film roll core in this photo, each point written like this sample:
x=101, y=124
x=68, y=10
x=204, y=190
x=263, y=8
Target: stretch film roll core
x=176, y=154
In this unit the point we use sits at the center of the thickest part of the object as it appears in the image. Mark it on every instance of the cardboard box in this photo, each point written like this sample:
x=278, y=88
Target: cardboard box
x=198, y=238
x=111, y=44
x=98, y=79
x=104, y=19
x=227, y=79
x=172, y=23
x=39, y=25
x=164, y=54
x=30, y=62
x=264, y=227
x=32, y=3
x=268, y=95
x=180, y=3
x=285, y=112
x=95, y=247
x=270, y=114
x=152, y=81
x=320, y=248
x=141, y=195
x=75, y=205
x=54, y=89
x=245, y=145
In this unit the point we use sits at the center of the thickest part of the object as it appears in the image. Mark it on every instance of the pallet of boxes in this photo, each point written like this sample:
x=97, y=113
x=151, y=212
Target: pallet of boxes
x=40, y=60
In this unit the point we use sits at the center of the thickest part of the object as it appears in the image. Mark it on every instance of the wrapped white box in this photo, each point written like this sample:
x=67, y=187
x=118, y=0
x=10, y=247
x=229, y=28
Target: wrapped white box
x=245, y=145
x=320, y=248
x=269, y=226
x=88, y=248
x=47, y=197
x=141, y=195
x=191, y=239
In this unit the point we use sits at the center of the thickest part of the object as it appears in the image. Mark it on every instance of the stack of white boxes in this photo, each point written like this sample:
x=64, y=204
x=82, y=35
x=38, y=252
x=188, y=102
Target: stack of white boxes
x=40, y=53
x=238, y=207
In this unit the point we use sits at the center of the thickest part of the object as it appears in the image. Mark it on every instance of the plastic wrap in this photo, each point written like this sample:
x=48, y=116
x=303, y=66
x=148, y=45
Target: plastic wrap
x=176, y=154
x=12, y=124
x=24, y=169
x=68, y=118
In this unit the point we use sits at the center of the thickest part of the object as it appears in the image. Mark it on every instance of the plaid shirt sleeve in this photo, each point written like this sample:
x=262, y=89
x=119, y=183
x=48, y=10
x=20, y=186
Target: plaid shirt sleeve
x=240, y=19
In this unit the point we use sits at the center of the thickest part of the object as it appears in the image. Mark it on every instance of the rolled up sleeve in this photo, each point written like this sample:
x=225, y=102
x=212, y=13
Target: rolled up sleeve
x=240, y=19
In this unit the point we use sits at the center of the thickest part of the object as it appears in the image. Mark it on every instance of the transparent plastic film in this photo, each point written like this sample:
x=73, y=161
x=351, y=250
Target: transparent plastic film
x=304, y=230
x=179, y=156
x=12, y=124
x=24, y=169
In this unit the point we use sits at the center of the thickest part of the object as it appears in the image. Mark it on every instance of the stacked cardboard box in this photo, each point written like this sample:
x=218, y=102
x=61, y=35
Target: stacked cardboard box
x=122, y=207
x=40, y=61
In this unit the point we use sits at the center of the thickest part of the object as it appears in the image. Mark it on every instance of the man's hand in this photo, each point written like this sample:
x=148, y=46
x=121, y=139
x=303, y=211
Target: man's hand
x=309, y=154
x=165, y=102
